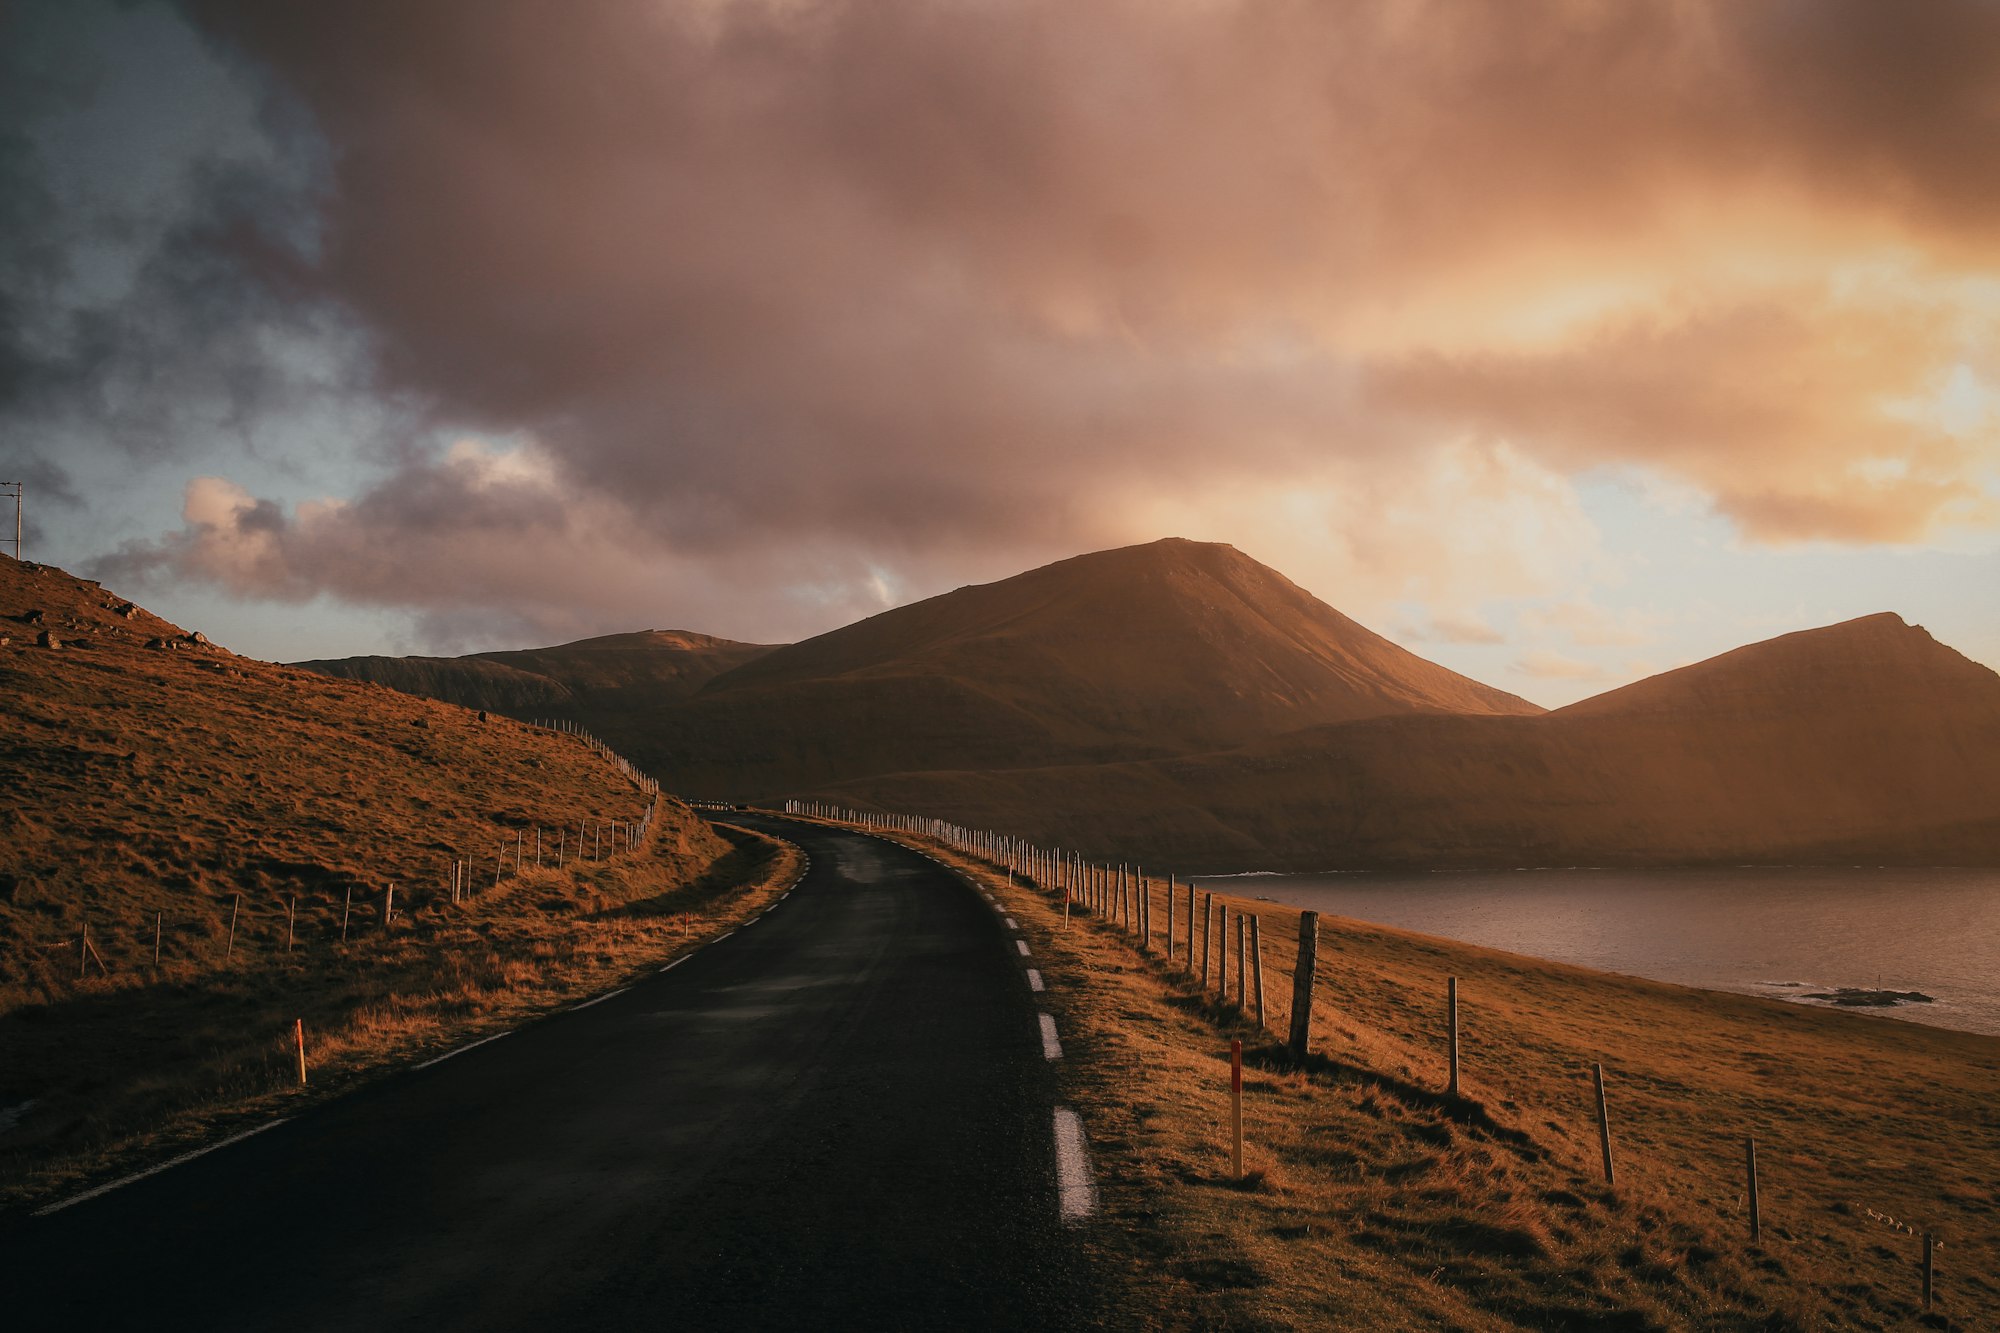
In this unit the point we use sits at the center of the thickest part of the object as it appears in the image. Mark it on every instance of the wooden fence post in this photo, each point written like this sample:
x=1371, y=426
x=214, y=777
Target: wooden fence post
x=1222, y=952
x=229, y=949
x=159, y=919
x=1603, y=1124
x=346, y=906
x=1173, y=891
x=83, y=953
x=388, y=907
x=1242, y=962
x=1750, y=1165
x=1257, y=965
x=1930, y=1269
x=1207, y=930
x=1451, y=1025
x=299, y=1035
x=1303, y=976
x=291, y=921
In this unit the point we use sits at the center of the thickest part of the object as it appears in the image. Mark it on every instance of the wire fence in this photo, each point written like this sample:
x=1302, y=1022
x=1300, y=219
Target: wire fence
x=1218, y=943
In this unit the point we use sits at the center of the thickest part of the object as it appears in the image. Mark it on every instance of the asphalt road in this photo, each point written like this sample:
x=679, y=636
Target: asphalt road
x=839, y=1117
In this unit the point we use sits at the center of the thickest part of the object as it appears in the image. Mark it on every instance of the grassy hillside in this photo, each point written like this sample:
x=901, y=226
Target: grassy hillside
x=161, y=788
x=1373, y=1200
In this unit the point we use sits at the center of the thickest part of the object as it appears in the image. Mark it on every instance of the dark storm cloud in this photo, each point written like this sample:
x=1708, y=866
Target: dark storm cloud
x=959, y=281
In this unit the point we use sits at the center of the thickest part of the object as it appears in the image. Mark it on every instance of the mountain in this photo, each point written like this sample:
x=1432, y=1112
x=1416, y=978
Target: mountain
x=615, y=674
x=1168, y=648
x=1867, y=740
x=1142, y=652
x=1175, y=644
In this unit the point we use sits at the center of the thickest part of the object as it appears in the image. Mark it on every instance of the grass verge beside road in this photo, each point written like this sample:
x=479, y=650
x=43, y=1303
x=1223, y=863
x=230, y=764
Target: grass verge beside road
x=1372, y=1200
x=129, y=1074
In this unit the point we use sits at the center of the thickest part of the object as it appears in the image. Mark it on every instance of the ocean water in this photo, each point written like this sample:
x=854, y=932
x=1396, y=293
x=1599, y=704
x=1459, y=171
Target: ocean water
x=1789, y=934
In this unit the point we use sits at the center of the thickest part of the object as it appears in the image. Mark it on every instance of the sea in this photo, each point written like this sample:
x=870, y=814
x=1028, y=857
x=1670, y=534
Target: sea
x=1806, y=936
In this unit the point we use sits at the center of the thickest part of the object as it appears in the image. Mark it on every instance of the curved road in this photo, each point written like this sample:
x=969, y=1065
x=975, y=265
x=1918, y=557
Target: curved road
x=840, y=1116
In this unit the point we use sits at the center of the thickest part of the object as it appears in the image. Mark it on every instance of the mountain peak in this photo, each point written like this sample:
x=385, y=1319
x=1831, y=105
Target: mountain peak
x=1872, y=661
x=1167, y=645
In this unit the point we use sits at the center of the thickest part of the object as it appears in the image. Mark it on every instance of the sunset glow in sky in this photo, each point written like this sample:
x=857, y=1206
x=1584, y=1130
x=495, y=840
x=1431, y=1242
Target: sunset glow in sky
x=1561, y=342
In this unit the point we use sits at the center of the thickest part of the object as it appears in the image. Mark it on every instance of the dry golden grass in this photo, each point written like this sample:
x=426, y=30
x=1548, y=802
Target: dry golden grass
x=1373, y=1201
x=150, y=784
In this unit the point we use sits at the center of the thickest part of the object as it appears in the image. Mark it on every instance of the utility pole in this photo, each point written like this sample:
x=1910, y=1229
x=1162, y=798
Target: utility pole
x=14, y=489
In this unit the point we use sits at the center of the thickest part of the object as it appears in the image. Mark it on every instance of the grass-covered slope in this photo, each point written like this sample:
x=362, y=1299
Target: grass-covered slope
x=1373, y=1200
x=159, y=786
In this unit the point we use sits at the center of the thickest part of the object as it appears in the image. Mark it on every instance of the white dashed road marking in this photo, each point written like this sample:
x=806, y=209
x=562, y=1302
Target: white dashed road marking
x=1051, y=1048
x=1010, y=923
x=599, y=1000
x=1034, y=979
x=1076, y=1191
x=440, y=1059
x=1022, y=945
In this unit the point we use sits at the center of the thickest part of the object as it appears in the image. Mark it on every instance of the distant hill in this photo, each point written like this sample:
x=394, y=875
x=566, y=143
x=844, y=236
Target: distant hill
x=1863, y=741
x=1174, y=645
x=615, y=674
x=1178, y=700
x=1169, y=648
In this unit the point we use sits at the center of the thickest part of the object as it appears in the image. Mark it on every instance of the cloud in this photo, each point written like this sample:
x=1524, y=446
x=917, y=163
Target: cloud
x=1453, y=629
x=865, y=296
x=1590, y=626
x=1555, y=666
x=484, y=547
x=1789, y=412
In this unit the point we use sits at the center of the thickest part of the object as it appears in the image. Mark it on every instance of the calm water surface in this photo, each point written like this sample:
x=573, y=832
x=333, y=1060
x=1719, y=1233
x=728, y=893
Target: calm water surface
x=1778, y=932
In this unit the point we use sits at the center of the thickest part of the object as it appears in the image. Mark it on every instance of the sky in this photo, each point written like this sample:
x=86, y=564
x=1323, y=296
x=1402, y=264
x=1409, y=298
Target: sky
x=1561, y=342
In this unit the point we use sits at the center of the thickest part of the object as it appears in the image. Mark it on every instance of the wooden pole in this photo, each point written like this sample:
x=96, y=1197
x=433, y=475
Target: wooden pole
x=1603, y=1125
x=346, y=906
x=1173, y=891
x=1303, y=976
x=538, y=846
x=1188, y=964
x=1750, y=1165
x=1207, y=930
x=1222, y=952
x=159, y=919
x=1236, y=1107
x=1930, y=1269
x=1242, y=962
x=1451, y=1025
x=388, y=906
x=291, y=921
x=229, y=949
x=83, y=953
x=1257, y=965
x=299, y=1035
